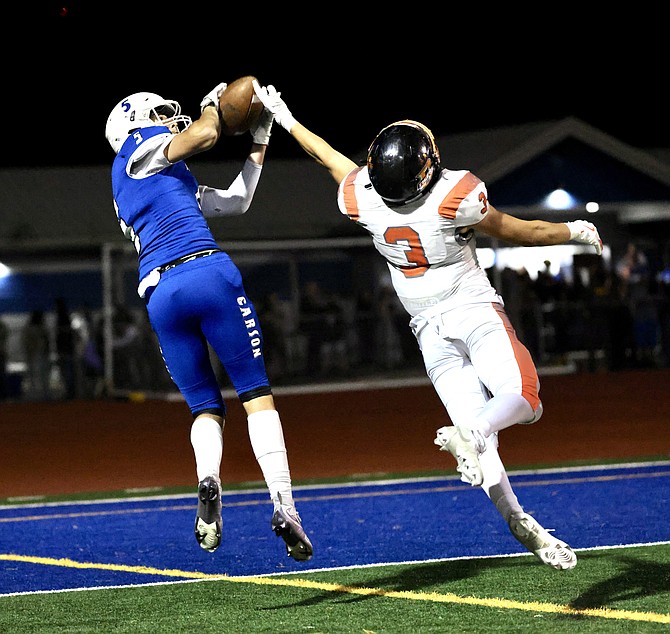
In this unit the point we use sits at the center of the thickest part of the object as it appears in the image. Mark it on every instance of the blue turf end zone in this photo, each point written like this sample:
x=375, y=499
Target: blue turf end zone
x=350, y=524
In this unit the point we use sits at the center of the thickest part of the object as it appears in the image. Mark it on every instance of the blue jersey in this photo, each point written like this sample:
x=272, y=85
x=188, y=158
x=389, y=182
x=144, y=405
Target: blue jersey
x=160, y=213
x=197, y=302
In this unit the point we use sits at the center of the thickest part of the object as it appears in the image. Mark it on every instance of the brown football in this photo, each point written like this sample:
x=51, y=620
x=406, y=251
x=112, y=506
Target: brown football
x=239, y=106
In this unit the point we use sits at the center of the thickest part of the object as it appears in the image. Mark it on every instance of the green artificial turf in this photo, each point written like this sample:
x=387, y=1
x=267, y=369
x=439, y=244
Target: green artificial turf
x=610, y=590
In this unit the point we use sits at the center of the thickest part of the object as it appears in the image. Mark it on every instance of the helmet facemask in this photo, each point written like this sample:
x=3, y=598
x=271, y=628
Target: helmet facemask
x=143, y=110
x=168, y=114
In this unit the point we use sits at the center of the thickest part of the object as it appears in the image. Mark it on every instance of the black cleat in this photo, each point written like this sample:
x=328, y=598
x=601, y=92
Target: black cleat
x=287, y=525
x=208, y=519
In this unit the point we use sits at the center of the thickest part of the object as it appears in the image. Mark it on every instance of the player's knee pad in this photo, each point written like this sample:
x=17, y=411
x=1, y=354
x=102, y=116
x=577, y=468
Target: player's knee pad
x=537, y=414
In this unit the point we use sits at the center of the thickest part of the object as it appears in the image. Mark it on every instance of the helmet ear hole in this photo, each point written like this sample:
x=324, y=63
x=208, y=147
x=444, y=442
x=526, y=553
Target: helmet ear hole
x=403, y=162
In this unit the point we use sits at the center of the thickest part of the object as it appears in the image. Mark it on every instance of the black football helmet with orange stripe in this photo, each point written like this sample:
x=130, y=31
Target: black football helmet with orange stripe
x=403, y=162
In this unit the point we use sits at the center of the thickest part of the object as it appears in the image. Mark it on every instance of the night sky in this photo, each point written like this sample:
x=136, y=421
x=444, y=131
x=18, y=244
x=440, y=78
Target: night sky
x=342, y=78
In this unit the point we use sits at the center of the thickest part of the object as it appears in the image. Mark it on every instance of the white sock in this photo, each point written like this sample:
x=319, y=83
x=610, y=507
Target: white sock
x=207, y=442
x=496, y=484
x=267, y=441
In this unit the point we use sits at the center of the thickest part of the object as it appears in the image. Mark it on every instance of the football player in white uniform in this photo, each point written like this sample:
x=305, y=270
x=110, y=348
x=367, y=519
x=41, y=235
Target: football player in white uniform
x=422, y=218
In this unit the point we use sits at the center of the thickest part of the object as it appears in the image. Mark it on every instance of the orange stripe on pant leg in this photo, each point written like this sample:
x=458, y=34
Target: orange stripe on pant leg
x=529, y=381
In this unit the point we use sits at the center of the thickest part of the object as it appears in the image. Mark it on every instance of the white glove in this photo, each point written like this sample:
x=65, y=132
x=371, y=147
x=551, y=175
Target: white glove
x=212, y=97
x=261, y=132
x=275, y=104
x=586, y=232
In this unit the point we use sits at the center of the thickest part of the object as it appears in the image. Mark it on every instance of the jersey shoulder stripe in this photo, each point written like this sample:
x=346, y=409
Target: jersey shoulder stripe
x=349, y=194
x=452, y=201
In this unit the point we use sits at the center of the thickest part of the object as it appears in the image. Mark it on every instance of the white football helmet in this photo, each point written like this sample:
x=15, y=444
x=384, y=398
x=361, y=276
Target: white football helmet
x=141, y=110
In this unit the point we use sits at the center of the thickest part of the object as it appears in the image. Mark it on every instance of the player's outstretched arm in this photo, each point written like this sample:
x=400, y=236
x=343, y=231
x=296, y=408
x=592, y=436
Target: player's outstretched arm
x=319, y=149
x=322, y=152
x=538, y=232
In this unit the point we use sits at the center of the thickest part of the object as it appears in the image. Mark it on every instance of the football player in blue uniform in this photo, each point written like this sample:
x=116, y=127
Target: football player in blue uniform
x=194, y=292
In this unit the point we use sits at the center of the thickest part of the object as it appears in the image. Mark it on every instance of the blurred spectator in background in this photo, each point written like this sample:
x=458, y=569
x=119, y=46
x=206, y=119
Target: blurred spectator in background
x=323, y=322
x=272, y=316
x=127, y=350
x=632, y=268
x=366, y=324
x=295, y=360
x=334, y=349
x=313, y=309
x=90, y=365
x=35, y=343
x=548, y=287
x=65, y=348
x=634, y=275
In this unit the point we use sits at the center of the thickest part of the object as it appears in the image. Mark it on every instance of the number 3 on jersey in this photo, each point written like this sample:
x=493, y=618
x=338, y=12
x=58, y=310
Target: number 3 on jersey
x=409, y=239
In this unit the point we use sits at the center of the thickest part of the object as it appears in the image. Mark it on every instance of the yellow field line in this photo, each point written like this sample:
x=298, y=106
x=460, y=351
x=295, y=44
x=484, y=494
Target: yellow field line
x=448, y=597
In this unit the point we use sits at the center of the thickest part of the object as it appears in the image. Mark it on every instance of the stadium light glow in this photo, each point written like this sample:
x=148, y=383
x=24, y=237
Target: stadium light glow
x=559, y=199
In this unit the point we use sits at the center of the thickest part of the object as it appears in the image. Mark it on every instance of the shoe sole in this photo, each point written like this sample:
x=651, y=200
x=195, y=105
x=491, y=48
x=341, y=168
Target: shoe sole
x=208, y=518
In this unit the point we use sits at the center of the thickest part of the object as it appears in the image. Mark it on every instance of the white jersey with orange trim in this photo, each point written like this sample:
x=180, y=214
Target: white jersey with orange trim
x=458, y=318
x=429, y=250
